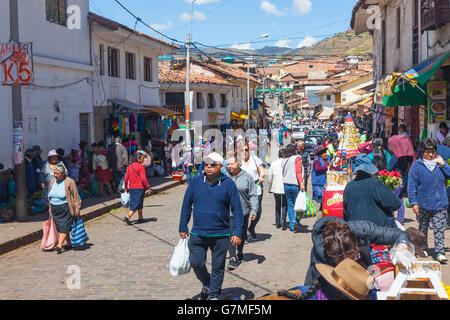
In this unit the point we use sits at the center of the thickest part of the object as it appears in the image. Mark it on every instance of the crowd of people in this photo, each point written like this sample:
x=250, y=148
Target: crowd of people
x=369, y=233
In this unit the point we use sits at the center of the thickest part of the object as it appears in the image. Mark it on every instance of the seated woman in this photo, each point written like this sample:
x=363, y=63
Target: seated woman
x=334, y=240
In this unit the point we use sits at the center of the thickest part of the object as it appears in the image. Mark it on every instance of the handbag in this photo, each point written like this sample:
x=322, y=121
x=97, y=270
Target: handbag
x=310, y=211
x=78, y=235
x=300, y=202
x=50, y=235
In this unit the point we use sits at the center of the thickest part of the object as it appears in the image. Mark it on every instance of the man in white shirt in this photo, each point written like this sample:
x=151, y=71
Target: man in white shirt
x=276, y=186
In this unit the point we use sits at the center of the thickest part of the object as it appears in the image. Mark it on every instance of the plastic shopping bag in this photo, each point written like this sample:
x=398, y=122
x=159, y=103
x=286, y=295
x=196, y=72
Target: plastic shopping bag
x=125, y=199
x=300, y=202
x=78, y=235
x=179, y=264
x=310, y=211
x=50, y=235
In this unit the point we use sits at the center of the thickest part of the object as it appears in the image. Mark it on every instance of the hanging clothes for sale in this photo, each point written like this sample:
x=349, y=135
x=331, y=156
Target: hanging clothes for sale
x=127, y=125
x=140, y=123
x=132, y=122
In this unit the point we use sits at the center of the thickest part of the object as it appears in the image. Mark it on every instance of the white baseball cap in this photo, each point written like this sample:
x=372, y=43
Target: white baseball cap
x=52, y=153
x=214, y=156
x=76, y=147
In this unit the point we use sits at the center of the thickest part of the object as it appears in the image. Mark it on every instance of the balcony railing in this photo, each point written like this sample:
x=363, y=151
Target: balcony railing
x=435, y=13
x=176, y=107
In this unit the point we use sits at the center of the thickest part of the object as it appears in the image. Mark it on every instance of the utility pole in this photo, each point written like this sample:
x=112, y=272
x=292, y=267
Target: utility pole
x=188, y=93
x=19, y=169
x=248, y=92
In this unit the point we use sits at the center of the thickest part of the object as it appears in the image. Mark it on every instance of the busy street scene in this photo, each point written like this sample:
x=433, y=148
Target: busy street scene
x=154, y=151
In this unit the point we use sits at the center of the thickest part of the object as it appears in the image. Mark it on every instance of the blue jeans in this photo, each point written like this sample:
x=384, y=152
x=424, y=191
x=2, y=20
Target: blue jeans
x=189, y=174
x=401, y=211
x=198, y=246
x=291, y=191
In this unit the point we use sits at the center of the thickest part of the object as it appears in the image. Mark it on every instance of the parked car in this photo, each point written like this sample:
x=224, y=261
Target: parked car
x=298, y=132
x=319, y=132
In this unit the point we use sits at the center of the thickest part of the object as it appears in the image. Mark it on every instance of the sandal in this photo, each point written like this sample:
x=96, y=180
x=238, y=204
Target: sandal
x=58, y=250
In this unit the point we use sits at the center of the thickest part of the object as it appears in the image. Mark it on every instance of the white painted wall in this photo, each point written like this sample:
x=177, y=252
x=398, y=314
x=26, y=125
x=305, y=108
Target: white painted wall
x=61, y=56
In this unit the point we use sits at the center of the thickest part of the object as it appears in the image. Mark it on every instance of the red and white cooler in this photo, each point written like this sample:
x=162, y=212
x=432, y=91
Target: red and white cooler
x=333, y=201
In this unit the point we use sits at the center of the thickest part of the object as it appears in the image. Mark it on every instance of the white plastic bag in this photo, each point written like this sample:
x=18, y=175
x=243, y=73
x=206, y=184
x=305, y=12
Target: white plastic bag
x=125, y=199
x=300, y=202
x=179, y=264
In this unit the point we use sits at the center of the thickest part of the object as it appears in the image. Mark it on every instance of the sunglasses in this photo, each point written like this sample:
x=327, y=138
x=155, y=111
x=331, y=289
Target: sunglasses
x=213, y=164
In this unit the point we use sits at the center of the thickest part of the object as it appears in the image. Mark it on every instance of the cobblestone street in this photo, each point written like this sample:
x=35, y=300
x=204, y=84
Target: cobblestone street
x=132, y=262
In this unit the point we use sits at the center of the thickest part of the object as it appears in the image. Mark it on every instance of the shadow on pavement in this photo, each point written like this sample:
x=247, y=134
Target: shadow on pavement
x=146, y=220
x=84, y=247
x=154, y=205
x=235, y=293
x=251, y=256
x=261, y=237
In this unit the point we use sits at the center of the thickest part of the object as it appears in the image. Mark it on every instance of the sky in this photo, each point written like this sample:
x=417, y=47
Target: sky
x=236, y=24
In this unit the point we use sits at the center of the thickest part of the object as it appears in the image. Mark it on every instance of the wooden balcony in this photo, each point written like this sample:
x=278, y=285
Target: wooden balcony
x=435, y=13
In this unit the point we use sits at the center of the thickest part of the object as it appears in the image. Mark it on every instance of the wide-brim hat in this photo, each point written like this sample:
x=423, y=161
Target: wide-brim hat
x=349, y=277
x=363, y=163
x=417, y=238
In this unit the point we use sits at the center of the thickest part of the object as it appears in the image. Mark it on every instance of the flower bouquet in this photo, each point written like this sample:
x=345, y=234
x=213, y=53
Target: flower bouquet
x=392, y=179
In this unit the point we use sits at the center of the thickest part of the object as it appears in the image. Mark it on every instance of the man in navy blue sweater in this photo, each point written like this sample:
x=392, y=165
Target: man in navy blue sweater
x=212, y=194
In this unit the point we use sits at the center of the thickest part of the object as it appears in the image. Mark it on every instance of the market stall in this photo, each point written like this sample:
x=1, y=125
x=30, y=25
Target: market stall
x=339, y=173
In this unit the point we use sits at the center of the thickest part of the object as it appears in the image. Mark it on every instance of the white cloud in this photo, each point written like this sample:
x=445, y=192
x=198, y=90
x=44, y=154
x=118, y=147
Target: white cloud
x=308, y=41
x=245, y=46
x=283, y=43
x=201, y=1
x=302, y=7
x=160, y=27
x=198, y=16
x=271, y=9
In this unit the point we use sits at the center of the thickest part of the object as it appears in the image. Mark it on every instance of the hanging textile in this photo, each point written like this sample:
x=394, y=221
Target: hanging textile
x=127, y=125
x=132, y=121
x=140, y=123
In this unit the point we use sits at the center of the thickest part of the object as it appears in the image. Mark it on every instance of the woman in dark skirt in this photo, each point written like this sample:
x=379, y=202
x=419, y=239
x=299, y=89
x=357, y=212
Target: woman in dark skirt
x=136, y=184
x=64, y=204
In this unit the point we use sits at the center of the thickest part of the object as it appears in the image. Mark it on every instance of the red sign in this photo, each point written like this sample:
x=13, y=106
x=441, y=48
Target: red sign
x=333, y=203
x=17, y=63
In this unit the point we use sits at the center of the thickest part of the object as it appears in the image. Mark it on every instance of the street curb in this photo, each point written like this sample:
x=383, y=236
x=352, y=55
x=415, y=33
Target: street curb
x=88, y=214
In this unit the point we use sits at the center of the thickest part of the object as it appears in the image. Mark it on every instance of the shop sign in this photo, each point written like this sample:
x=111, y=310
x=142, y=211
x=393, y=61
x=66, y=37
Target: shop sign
x=17, y=63
x=437, y=101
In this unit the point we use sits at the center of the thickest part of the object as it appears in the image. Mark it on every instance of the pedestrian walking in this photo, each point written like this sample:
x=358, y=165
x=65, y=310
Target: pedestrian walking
x=211, y=195
x=118, y=160
x=306, y=161
x=293, y=182
x=319, y=175
x=367, y=198
x=188, y=163
x=136, y=184
x=47, y=174
x=64, y=204
x=428, y=196
x=254, y=166
x=249, y=203
x=276, y=186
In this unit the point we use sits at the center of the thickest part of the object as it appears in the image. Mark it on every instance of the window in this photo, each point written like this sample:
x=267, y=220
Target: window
x=328, y=97
x=113, y=62
x=211, y=101
x=398, y=27
x=200, y=101
x=102, y=60
x=55, y=11
x=131, y=65
x=223, y=101
x=148, y=69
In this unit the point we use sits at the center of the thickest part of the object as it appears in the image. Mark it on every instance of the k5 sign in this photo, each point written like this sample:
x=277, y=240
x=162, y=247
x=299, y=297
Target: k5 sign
x=17, y=63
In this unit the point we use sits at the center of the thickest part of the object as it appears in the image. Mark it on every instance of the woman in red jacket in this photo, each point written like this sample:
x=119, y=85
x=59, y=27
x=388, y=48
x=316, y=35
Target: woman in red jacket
x=136, y=184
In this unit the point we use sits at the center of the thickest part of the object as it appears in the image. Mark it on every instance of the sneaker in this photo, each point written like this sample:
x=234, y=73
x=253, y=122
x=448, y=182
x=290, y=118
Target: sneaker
x=284, y=226
x=204, y=295
x=441, y=258
x=125, y=219
x=278, y=226
x=232, y=264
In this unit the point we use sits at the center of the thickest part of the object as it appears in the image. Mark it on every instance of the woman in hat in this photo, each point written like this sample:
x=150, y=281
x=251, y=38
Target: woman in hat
x=47, y=173
x=367, y=198
x=73, y=161
x=64, y=204
x=319, y=175
x=136, y=184
x=427, y=194
x=335, y=239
